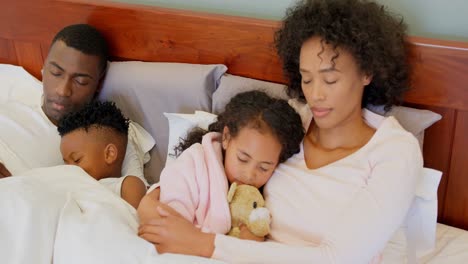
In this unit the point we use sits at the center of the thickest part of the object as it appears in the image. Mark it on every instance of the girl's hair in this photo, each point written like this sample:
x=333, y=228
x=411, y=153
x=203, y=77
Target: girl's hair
x=373, y=36
x=257, y=110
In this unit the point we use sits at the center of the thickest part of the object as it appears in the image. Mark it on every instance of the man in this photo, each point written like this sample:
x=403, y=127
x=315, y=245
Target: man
x=72, y=76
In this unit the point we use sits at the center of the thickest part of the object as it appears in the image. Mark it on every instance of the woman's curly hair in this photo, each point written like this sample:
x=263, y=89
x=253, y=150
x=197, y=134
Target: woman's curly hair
x=255, y=109
x=94, y=114
x=373, y=36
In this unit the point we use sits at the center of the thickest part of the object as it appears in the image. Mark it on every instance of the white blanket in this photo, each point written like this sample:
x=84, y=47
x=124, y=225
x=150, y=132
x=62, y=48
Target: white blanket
x=61, y=215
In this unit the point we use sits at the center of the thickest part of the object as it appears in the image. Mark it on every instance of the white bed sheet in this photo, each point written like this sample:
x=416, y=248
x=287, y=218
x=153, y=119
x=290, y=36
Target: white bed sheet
x=451, y=248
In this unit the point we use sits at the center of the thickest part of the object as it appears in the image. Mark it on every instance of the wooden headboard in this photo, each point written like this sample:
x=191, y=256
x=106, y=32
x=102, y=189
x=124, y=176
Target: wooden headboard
x=245, y=46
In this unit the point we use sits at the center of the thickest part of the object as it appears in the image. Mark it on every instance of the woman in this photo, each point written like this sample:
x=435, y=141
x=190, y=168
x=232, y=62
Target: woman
x=348, y=190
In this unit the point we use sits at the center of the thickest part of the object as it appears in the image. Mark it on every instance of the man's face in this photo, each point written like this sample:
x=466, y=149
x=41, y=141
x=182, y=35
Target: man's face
x=70, y=79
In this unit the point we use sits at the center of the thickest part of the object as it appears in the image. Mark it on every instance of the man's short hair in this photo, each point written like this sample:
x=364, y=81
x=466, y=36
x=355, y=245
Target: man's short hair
x=86, y=39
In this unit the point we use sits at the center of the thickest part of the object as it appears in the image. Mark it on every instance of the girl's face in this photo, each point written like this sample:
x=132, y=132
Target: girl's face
x=332, y=85
x=251, y=156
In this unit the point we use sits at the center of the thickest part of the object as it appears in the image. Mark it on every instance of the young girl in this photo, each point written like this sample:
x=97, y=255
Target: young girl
x=247, y=142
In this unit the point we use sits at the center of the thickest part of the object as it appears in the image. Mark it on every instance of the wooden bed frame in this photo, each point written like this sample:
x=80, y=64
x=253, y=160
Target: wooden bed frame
x=245, y=46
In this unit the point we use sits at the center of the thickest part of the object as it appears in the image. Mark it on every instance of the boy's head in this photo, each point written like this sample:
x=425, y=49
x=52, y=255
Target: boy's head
x=259, y=132
x=95, y=138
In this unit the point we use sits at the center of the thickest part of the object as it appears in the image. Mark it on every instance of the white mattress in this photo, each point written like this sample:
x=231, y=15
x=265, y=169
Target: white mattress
x=451, y=248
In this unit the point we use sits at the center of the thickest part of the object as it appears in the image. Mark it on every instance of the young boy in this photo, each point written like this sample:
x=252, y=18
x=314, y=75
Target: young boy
x=95, y=139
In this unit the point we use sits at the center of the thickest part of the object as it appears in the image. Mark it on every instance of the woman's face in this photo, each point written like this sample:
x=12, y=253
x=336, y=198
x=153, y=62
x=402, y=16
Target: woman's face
x=332, y=83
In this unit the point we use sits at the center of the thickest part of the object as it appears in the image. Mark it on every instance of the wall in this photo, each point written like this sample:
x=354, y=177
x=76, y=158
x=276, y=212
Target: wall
x=427, y=18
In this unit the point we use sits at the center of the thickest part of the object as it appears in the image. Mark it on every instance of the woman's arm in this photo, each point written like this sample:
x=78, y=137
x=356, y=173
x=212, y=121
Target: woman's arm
x=147, y=208
x=171, y=233
x=151, y=210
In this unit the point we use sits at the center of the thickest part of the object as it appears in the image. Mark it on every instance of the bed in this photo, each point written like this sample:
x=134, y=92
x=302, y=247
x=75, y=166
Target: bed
x=244, y=45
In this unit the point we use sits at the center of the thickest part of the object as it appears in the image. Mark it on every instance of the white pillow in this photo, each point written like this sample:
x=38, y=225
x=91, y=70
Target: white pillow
x=181, y=124
x=412, y=119
x=18, y=85
x=418, y=231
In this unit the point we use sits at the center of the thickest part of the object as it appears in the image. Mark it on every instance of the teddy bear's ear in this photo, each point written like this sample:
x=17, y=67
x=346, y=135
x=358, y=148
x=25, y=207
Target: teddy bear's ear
x=231, y=191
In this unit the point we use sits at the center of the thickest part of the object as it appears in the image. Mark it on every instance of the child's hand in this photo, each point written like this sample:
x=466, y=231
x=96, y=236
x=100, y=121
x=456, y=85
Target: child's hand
x=246, y=234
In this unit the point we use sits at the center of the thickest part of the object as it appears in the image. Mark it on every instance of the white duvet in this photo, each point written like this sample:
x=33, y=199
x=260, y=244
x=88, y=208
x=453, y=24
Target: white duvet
x=61, y=215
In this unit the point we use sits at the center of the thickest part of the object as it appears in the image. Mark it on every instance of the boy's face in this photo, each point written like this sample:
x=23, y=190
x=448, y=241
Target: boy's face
x=251, y=157
x=84, y=149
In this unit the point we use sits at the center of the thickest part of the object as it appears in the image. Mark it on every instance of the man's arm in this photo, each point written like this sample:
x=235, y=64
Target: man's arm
x=4, y=172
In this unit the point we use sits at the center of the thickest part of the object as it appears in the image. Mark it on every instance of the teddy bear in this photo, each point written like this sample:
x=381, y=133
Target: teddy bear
x=247, y=208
